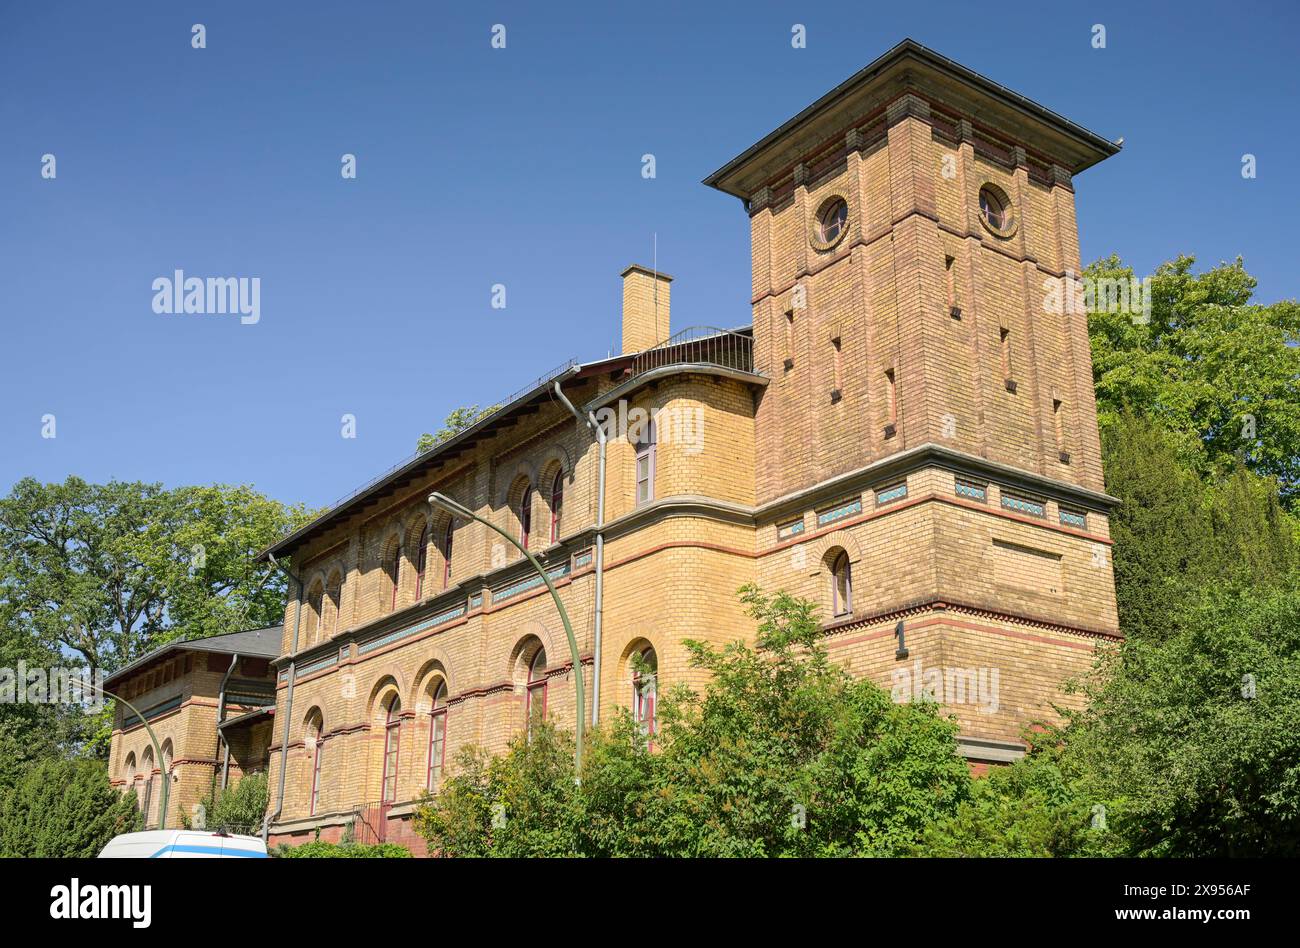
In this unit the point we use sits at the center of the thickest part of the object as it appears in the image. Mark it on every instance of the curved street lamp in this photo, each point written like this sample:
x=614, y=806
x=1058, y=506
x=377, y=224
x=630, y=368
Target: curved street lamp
x=157, y=749
x=443, y=502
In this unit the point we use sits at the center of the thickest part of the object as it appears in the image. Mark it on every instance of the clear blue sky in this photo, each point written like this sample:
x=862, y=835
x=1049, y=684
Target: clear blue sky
x=518, y=166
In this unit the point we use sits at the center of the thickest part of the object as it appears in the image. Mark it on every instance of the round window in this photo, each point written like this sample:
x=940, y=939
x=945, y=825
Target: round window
x=995, y=210
x=832, y=220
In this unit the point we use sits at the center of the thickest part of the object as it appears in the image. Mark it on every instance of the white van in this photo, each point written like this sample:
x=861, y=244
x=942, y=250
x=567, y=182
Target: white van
x=183, y=844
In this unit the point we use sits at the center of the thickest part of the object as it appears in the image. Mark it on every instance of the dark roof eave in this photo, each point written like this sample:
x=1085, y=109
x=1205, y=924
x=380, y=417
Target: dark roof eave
x=215, y=643
x=910, y=47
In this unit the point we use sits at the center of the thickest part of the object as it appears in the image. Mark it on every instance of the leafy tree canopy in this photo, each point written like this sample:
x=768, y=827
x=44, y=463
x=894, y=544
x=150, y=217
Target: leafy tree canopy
x=461, y=418
x=108, y=572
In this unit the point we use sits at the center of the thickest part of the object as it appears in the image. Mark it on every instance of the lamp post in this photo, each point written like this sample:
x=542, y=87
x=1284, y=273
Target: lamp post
x=157, y=749
x=443, y=502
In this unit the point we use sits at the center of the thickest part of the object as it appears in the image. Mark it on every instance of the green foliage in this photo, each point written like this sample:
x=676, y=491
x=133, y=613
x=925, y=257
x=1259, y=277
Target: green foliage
x=322, y=850
x=62, y=808
x=461, y=418
x=1030, y=809
x=1206, y=360
x=1176, y=531
x=237, y=809
x=1194, y=733
x=110, y=571
x=784, y=754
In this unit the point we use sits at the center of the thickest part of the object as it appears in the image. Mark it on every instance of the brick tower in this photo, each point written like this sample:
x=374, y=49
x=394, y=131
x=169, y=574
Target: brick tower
x=909, y=230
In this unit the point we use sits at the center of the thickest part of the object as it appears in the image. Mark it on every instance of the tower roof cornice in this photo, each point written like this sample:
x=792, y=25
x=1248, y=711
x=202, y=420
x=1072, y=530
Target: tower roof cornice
x=911, y=68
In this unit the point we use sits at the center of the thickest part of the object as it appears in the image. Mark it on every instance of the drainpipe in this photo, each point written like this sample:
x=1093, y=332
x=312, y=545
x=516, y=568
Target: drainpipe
x=221, y=716
x=288, y=704
x=603, y=439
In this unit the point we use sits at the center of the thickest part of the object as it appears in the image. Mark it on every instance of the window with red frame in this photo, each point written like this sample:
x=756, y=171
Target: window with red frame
x=536, y=696
x=446, y=553
x=437, y=734
x=841, y=586
x=645, y=690
x=421, y=560
x=318, y=745
x=394, y=572
x=392, y=741
x=557, y=504
x=525, y=516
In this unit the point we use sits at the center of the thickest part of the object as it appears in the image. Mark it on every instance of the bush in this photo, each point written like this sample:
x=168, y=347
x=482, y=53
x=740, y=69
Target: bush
x=61, y=808
x=785, y=754
x=237, y=809
x=321, y=850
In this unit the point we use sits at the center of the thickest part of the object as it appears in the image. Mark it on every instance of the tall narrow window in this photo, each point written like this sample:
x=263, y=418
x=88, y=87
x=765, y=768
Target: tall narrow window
x=1059, y=423
x=394, y=573
x=421, y=561
x=536, y=695
x=447, y=535
x=525, y=516
x=645, y=465
x=645, y=692
x=318, y=746
x=891, y=403
x=437, y=734
x=147, y=802
x=951, y=279
x=1005, y=342
x=557, y=504
x=789, y=339
x=841, y=586
x=392, y=742
x=837, y=367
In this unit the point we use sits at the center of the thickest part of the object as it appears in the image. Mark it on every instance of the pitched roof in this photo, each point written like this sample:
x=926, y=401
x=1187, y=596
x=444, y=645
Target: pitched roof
x=258, y=643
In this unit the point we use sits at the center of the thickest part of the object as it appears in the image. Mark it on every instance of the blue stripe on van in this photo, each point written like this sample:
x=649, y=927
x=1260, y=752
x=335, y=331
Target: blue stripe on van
x=211, y=850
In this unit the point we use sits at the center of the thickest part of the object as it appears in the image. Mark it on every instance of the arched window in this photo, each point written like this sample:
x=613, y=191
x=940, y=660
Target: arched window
x=130, y=771
x=437, y=733
x=392, y=741
x=645, y=691
x=333, y=593
x=645, y=464
x=557, y=504
x=841, y=586
x=525, y=516
x=446, y=552
x=392, y=570
x=314, y=605
x=536, y=693
x=147, y=802
x=421, y=560
x=316, y=733
x=167, y=774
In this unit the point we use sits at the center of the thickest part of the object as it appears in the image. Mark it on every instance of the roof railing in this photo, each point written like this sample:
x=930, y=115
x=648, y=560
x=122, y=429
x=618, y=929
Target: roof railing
x=699, y=345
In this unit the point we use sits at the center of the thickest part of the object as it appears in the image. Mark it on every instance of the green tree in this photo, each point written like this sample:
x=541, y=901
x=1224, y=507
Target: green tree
x=1177, y=530
x=107, y=572
x=783, y=754
x=60, y=808
x=1217, y=371
x=461, y=418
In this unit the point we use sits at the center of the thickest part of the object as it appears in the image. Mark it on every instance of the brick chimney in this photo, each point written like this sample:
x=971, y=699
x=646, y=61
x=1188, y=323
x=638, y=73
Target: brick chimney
x=645, y=308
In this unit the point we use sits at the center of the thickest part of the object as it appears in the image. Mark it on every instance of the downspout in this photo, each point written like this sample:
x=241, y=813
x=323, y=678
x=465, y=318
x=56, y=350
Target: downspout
x=603, y=439
x=221, y=716
x=288, y=704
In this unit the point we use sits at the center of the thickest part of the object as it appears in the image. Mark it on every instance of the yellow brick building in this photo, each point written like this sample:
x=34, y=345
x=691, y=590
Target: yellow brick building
x=906, y=434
